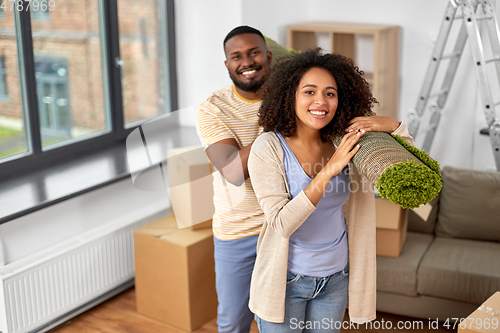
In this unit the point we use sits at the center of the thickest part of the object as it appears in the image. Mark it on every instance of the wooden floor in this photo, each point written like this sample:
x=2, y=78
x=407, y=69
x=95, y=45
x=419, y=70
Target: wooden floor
x=118, y=315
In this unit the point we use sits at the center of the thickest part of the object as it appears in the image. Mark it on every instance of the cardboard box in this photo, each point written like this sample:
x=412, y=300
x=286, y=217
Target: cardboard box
x=485, y=319
x=174, y=274
x=202, y=225
x=392, y=221
x=191, y=186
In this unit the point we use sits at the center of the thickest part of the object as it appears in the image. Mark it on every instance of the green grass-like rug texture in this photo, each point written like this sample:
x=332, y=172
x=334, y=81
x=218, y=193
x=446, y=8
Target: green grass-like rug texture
x=399, y=171
x=278, y=50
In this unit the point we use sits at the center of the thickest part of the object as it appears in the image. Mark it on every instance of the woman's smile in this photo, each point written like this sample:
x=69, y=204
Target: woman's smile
x=320, y=114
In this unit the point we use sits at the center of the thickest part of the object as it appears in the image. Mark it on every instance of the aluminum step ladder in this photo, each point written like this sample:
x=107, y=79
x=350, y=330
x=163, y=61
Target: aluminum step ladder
x=472, y=12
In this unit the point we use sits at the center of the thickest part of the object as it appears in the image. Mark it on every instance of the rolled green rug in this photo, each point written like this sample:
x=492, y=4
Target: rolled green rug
x=400, y=172
x=278, y=50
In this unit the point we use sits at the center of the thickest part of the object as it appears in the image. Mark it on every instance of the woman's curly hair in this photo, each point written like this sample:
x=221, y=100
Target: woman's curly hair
x=277, y=112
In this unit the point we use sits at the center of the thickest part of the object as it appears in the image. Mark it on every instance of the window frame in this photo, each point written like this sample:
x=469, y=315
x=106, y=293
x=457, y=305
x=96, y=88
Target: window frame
x=52, y=81
x=37, y=159
x=4, y=96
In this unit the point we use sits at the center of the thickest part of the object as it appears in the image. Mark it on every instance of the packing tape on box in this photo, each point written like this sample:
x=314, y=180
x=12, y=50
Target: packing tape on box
x=489, y=310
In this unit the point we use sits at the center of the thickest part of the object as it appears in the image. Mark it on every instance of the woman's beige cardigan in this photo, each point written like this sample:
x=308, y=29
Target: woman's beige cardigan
x=283, y=216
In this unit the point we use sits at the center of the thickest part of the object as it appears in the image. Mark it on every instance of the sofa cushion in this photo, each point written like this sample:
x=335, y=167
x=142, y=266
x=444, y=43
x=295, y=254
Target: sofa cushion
x=399, y=275
x=416, y=223
x=469, y=205
x=460, y=269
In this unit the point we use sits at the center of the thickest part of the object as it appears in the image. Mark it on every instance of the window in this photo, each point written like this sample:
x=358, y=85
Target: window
x=13, y=131
x=3, y=80
x=70, y=58
x=52, y=88
x=40, y=9
x=90, y=72
x=144, y=52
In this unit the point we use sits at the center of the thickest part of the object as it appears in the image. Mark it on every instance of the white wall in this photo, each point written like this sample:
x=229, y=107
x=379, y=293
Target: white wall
x=201, y=26
x=272, y=17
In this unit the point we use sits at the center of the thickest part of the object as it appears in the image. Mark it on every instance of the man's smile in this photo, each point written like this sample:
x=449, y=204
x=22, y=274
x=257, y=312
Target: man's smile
x=249, y=73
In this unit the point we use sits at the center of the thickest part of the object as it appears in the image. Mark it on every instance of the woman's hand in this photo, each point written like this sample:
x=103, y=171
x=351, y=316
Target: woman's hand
x=373, y=124
x=344, y=152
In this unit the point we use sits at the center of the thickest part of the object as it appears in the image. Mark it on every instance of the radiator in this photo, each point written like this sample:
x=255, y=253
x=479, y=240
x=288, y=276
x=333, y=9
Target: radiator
x=47, y=288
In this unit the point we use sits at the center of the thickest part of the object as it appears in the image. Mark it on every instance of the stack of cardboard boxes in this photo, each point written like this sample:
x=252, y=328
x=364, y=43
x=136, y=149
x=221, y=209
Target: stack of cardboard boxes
x=392, y=222
x=174, y=256
x=190, y=187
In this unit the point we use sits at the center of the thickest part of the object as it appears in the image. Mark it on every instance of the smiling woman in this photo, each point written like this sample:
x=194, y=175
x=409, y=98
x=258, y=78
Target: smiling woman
x=302, y=182
x=278, y=106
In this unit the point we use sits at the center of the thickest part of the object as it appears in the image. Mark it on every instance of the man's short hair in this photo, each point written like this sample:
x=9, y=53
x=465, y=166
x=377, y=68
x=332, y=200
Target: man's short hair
x=242, y=29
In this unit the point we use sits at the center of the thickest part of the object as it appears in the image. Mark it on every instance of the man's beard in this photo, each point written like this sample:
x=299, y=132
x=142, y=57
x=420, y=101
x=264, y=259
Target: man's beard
x=251, y=86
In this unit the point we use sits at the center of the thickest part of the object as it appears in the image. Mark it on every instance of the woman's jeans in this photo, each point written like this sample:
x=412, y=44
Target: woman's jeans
x=312, y=304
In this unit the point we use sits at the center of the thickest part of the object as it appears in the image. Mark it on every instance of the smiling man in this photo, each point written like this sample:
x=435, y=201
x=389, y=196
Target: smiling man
x=227, y=125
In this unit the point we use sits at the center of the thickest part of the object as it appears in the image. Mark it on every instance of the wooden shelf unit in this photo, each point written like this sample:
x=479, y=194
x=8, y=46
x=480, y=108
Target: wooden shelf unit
x=342, y=36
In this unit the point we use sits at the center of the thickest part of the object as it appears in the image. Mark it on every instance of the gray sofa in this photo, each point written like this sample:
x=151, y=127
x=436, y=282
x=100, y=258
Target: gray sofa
x=450, y=263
